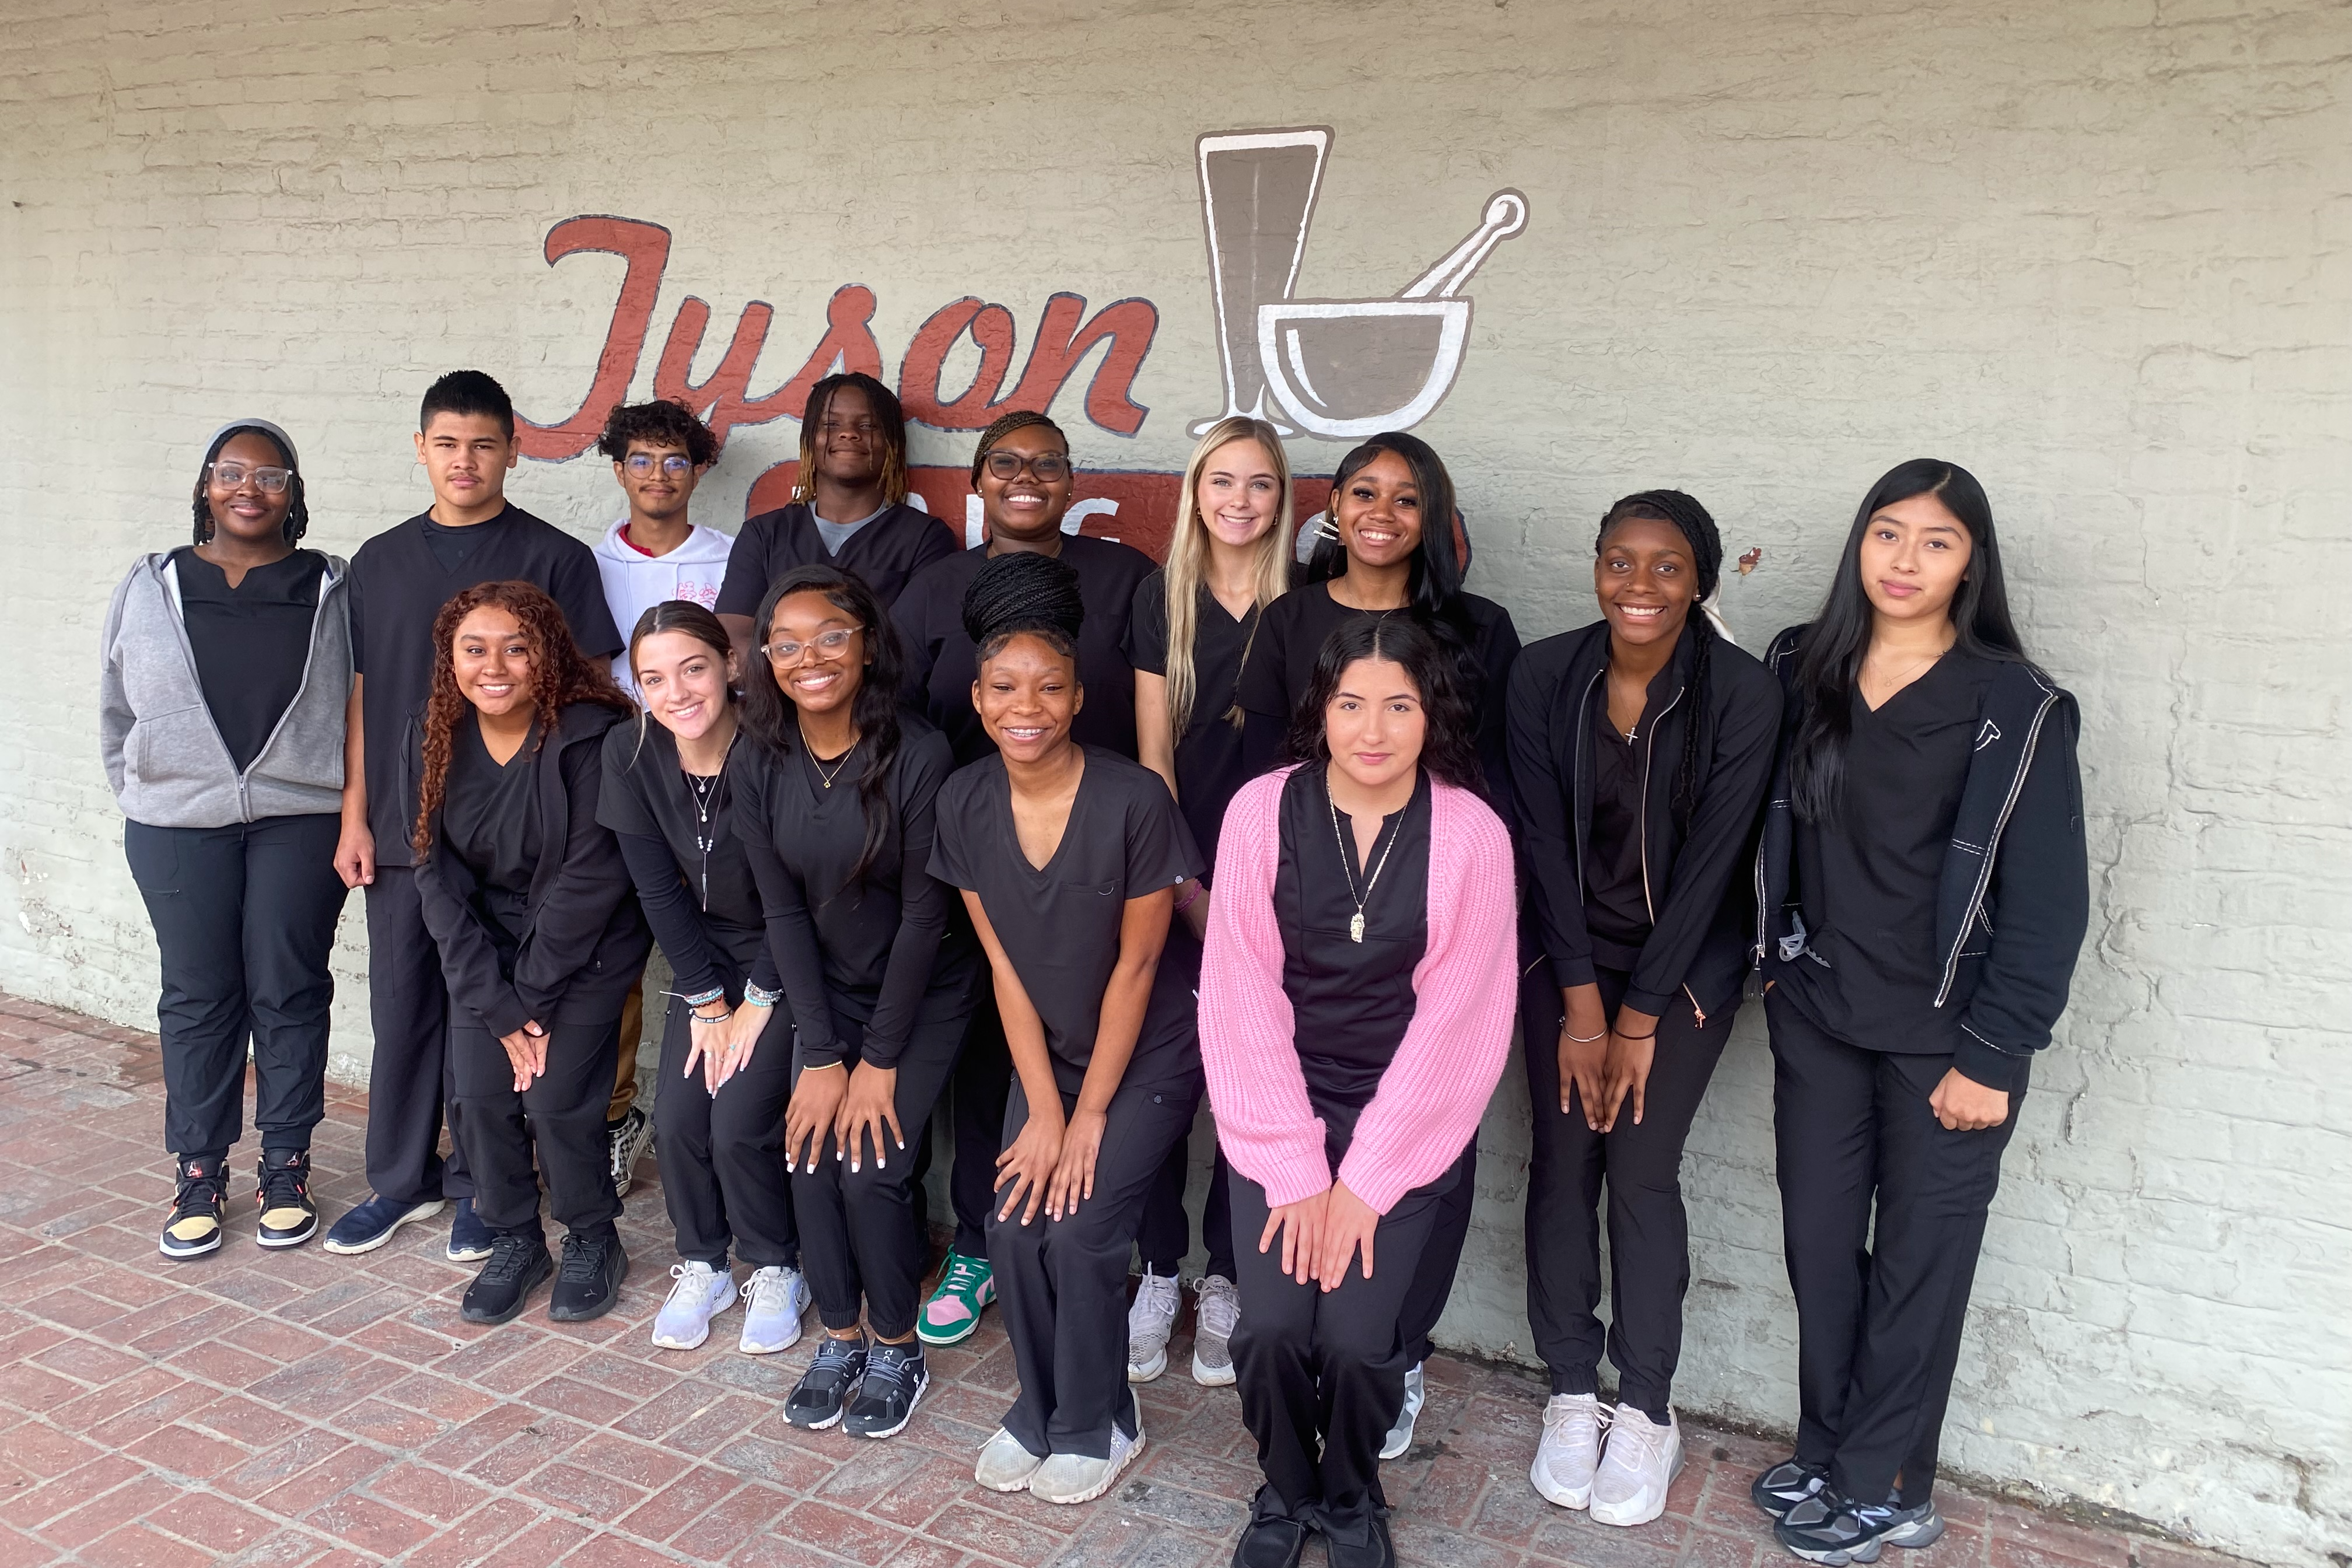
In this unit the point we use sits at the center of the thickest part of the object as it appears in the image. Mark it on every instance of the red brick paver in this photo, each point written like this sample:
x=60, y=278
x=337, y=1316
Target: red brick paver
x=306, y=1409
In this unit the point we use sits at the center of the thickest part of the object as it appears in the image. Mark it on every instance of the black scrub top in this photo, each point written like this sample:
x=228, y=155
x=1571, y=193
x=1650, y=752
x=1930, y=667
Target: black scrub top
x=1208, y=762
x=251, y=642
x=1616, y=902
x=399, y=582
x=646, y=794
x=1282, y=668
x=1868, y=878
x=887, y=552
x=862, y=944
x=1350, y=1001
x=1060, y=925
x=942, y=666
x=490, y=820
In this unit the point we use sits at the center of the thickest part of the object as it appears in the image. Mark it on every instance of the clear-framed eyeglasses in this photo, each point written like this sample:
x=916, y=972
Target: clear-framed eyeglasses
x=1046, y=467
x=230, y=474
x=645, y=465
x=826, y=644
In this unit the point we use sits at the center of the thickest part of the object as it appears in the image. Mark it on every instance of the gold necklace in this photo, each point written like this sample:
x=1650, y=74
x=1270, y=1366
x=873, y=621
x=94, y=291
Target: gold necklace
x=818, y=763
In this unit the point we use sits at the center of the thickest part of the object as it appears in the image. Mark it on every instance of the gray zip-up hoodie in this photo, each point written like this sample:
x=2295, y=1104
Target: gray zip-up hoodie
x=164, y=755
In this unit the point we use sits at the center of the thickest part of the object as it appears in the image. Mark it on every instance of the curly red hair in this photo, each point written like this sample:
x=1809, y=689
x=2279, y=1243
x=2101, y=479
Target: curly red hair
x=560, y=675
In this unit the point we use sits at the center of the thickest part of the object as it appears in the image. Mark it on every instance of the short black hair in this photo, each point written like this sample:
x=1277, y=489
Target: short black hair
x=664, y=422
x=468, y=392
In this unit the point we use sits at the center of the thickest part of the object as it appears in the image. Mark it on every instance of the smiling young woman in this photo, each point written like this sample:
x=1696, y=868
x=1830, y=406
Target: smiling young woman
x=1355, y=1013
x=1925, y=890
x=1069, y=857
x=1640, y=749
x=530, y=904
x=221, y=707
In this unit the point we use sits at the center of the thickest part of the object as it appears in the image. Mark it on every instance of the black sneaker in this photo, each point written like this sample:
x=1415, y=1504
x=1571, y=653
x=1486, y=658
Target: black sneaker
x=517, y=1266
x=589, y=1282
x=1272, y=1539
x=194, y=1228
x=1784, y=1486
x=896, y=1376
x=817, y=1401
x=289, y=1217
x=1834, y=1531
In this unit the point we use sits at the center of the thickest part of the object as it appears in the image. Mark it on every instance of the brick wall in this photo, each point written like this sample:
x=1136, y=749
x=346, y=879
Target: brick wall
x=2096, y=251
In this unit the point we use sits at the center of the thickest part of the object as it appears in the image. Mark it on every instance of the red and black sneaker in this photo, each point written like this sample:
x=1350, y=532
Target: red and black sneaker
x=289, y=1217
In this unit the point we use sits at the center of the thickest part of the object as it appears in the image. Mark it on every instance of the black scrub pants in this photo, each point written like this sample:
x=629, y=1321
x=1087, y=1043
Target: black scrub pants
x=1879, y=1312
x=1424, y=1302
x=245, y=917
x=1649, y=1233
x=411, y=1076
x=722, y=1155
x=984, y=1076
x=1326, y=1368
x=1165, y=1235
x=566, y=1129
x=1062, y=1283
x=863, y=1240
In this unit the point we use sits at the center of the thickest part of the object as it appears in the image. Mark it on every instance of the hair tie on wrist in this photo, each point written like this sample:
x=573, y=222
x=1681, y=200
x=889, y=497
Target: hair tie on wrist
x=1584, y=1039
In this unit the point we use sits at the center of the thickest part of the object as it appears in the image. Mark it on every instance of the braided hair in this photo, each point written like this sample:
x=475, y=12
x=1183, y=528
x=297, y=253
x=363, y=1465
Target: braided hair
x=1682, y=514
x=1005, y=424
x=889, y=425
x=1023, y=592
x=298, y=509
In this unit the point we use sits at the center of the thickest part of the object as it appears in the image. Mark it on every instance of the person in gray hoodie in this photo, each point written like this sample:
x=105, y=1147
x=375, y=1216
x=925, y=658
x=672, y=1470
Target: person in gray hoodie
x=227, y=664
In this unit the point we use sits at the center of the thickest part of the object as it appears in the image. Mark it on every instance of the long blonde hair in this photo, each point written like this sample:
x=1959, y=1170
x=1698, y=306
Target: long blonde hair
x=1187, y=554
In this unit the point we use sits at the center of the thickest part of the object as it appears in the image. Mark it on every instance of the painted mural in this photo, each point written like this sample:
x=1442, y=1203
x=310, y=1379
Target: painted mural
x=1330, y=370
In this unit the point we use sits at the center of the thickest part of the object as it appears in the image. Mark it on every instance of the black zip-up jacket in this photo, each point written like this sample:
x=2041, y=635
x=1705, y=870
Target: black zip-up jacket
x=584, y=940
x=1698, y=911
x=2014, y=897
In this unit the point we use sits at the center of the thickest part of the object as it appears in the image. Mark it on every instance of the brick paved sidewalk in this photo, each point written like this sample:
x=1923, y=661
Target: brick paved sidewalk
x=303, y=1408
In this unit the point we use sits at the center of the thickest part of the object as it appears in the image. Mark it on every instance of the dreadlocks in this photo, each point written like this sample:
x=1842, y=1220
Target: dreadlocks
x=1682, y=514
x=889, y=428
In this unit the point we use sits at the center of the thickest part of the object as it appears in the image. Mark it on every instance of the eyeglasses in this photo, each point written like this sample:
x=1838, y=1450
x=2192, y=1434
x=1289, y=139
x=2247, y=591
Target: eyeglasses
x=641, y=465
x=270, y=482
x=828, y=645
x=1046, y=466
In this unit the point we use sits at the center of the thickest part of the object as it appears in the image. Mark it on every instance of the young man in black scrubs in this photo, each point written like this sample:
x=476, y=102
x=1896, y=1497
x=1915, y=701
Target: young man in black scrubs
x=400, y=579
x=1022, y=472
x=850, y=509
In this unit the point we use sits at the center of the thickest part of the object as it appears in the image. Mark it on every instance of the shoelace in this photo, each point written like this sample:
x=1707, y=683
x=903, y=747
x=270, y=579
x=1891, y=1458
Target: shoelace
x=583, y=1259
x=1221, y=1309
x=205, y=1194
x=282, y=1186
x=964, y=1274
x=1560, y=1415
x=693, y=1283
x=1645, y=1434
x=768, y=1291
x=897, y=1373
x=510, y=1255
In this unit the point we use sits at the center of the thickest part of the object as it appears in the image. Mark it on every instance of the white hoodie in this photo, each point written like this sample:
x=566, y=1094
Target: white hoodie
x=636, y=582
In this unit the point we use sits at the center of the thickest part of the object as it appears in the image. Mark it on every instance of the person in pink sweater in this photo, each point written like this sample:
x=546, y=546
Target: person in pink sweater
x=1355, y=1012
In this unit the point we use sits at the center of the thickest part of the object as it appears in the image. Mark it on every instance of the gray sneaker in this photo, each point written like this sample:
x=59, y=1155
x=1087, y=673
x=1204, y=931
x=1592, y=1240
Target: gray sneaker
x=631, y=1136
x=1216, y=1313
x=1400, y=1436
x=1835, y=1533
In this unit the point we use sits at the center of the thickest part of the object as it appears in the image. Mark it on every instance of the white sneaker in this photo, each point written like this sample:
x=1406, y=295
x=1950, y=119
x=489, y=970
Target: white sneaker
x=1641, y=1462
x=1074, y=1477
x=1004, y=1465
x=700, y=1294
x=1216, y=1313
x=1149, y=1320
x=1400, y=1436
x=1570, y=1449
x=778, y=1298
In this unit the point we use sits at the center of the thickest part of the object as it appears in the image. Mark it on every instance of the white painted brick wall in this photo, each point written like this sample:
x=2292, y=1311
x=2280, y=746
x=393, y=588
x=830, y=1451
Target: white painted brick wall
x=2096, y=250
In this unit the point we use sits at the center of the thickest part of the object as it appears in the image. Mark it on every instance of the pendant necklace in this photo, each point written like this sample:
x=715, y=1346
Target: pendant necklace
x=1356, y=922
x=709, y=794
x=818, y=763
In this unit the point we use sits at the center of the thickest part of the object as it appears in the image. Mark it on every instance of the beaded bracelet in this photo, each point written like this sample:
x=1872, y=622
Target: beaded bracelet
x=760, y=996
x=701, y=998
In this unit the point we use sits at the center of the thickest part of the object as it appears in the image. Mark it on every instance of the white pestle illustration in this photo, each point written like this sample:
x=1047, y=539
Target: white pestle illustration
x=1341, y=369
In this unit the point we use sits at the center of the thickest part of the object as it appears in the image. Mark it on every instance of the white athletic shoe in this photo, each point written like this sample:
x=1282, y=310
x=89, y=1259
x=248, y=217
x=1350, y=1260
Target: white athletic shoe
x=1400, y=1436
x=1074, y=1477
x=1570, y=1450
x=779, y=1299
x=700, y=1294
x=1216, y=1313
x=1150, y=1318
x=1004, y=1465
x=1641, y=1460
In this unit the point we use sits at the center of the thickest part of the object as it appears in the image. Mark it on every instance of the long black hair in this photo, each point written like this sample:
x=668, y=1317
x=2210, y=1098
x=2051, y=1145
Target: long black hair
x=298, y=509
x=771, y=718
x=1449, y=747
x=1829, y=658
x=1683, y=514
x=1434, y=587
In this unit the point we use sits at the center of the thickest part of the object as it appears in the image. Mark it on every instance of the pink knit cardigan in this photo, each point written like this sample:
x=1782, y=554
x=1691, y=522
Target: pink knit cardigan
x=1430, y=1099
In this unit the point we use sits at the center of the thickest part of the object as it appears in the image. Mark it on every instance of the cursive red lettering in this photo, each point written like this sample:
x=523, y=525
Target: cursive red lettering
x=848, y=341
x=1062, y=343
x=919, y=392
x=646, y=248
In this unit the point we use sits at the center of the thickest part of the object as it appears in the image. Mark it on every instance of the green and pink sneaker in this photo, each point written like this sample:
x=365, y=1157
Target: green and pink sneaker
x=953, y=1314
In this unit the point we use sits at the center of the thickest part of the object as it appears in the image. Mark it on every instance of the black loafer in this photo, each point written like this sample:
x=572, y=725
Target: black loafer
x=517, y=1266
x=1375, y=1550
x=589, y=1282
x=1271, y=1542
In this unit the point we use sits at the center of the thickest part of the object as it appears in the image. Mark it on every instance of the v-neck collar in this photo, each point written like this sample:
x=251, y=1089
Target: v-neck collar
x=1013, y=822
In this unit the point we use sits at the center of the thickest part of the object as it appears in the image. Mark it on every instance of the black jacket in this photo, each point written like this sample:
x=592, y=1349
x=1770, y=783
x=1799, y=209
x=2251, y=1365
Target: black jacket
x=584, y=941
x=1698, y=915
x=2014, y=897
